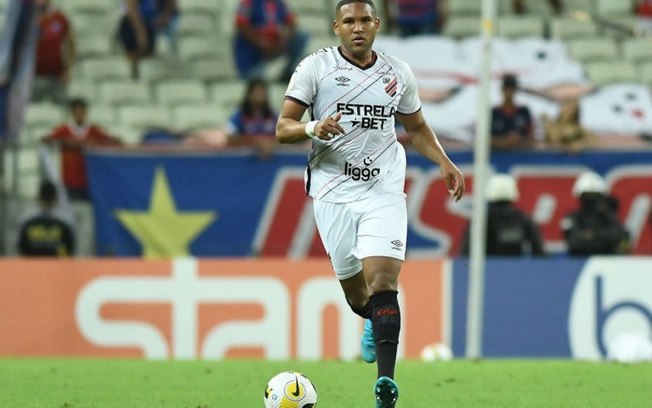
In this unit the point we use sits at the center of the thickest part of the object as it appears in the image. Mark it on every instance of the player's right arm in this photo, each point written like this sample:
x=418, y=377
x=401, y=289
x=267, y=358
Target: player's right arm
x=299, y=95
x=290, y=129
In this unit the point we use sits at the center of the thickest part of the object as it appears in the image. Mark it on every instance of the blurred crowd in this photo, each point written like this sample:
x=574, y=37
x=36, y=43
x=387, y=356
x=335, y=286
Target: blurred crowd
x=268, y=32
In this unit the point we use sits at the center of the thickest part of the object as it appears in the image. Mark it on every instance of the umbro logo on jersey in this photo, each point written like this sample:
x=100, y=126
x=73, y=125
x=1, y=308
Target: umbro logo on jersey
x=391, y=87
x=397, y=243
x=342, y=81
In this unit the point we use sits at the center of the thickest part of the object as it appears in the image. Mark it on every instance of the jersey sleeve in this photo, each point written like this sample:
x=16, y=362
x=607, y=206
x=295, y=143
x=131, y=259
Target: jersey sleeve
x=303, y=84
x=410, y=102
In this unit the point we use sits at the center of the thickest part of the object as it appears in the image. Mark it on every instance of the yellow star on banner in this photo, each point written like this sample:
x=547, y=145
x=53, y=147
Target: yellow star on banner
x=162, y=230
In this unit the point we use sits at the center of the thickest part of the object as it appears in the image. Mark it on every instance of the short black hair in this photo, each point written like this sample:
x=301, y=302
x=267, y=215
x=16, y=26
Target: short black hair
x=77, y=103
x=47, y=192
x=342, y=3
x=510, y=81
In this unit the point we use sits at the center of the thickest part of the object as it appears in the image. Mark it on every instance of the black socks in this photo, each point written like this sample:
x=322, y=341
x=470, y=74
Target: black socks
x=386, y=322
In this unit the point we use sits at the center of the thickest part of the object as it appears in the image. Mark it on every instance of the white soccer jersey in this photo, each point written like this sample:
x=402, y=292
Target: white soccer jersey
x=367, y=158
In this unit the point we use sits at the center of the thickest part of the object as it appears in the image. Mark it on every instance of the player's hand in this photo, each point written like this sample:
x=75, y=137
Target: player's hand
x=328, y=128
x=454, y=179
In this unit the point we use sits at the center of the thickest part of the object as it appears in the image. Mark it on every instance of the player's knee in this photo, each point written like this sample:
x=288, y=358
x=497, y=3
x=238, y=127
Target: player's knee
x=360, y=306
x=385, y=316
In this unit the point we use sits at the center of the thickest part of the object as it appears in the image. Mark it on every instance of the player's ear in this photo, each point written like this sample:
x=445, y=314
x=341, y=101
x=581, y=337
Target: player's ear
x=377, y=23
x=336, y=28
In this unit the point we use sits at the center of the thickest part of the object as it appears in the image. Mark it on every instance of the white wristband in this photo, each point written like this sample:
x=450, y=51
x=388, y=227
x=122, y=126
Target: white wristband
x=310, y=129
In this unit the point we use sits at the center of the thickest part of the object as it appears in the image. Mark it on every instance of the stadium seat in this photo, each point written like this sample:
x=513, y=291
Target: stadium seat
x=155, y=70
x=228, y=94
x=462, y=26
x=226, y=23
x=565, y=28
x=193, y=48
x=590, y=50
x=214, y=69
x=92, y=24
x=573, y=6
x=127, y=134
x=303, y=7
x=645, y=73
x=319, y=42
x=102, y=69
x=29, y=185
x=93, y=46
x=212, y=7
x=180, y=92
x=613, y=8
x=36, y=133
x=103, y=116
x=197, y=24
x=87, y=6
x=637, y=49
x=316, y=24
x=143, y=117
x=82, y=88
x=124, y=92
x=605, y=73
x=520, y=26
x=199, y=117
x=619, y=27
x=276, y=94
x=43, y=114
x=464, y=7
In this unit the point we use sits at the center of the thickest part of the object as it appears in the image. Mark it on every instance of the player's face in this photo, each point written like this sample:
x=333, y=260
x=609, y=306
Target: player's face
x=356, y=25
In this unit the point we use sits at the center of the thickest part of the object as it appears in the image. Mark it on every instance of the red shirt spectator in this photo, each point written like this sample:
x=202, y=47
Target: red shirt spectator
x=644, y=8
x=73, y=138
x=54, y=34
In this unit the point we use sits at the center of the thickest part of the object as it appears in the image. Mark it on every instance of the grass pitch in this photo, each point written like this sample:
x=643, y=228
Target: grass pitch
x=75, y=383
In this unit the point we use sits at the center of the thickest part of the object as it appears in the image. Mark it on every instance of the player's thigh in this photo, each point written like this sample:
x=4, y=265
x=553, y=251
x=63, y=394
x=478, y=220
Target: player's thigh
x=382, y=227
x=337, y=229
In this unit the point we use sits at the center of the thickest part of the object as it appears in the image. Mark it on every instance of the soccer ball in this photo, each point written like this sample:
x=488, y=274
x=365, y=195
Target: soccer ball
x=290, y=389
x=436, y=352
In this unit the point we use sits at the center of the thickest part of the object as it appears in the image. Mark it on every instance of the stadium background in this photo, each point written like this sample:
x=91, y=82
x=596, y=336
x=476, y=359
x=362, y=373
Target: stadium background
x=558, y=307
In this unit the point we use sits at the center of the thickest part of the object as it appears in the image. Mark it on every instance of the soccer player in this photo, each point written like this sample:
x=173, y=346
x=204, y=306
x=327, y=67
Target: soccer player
x=356, y=171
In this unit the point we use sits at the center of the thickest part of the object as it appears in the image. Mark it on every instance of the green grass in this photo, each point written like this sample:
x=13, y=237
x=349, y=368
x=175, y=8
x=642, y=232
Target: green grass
x=75, y=383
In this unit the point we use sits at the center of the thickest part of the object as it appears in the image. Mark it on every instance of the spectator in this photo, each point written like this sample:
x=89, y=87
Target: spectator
x=510, y=231
x=255, y=121
x=511, y=124
x=519, y=6
x=266, y=30
x=55, y=54
x=73, y=137
x=45, y=231
x=167, y=21
x=594, y=228
x=567, y=132
x=415, y=17
x=643, y=11
x=137, y=30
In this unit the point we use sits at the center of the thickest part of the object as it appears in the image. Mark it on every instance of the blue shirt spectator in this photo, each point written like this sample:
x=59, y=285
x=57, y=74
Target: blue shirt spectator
x=266, y=30
x=511, y=125
x=415, y=17
x=254, y=123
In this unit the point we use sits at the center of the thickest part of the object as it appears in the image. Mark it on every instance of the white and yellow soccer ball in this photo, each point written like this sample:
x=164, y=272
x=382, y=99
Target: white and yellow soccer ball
x=290, y=389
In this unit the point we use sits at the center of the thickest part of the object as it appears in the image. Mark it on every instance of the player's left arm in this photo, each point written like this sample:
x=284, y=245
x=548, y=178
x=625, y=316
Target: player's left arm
x=426, y=142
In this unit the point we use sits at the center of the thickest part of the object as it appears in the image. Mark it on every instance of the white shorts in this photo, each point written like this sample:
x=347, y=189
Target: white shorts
x=350, y=232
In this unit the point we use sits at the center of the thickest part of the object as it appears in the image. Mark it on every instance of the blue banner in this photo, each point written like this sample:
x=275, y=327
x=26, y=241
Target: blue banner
x=557, y=308
x=232, y=203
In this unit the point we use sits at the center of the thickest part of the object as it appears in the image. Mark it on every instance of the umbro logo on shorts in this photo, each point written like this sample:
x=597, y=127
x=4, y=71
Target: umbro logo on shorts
x=396, y=244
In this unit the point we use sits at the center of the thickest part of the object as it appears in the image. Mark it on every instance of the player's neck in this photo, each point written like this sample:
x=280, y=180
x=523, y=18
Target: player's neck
x=362, y=61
